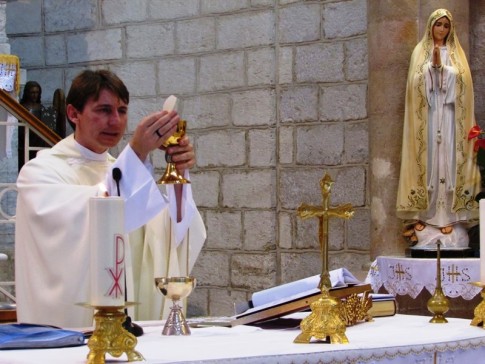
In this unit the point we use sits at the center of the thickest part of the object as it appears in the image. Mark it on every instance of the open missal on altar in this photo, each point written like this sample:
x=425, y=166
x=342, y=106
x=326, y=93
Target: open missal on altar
x=296, y=296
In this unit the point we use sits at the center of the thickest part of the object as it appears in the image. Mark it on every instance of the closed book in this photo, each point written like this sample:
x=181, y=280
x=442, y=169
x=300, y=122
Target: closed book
x=29, y=336
x=383, y=304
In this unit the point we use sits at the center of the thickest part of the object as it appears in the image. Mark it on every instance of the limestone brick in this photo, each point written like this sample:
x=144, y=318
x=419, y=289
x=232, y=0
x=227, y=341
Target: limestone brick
x=254, y=107
x=245, y=30
x=212, y=268
x=172, y=9
x=150, y=40
x=344, y=102
x=221, y=71
x=286, y=145
x=94, y=46
x=311, y=58
x=31, y=10
x=351, y=14
x=222, y=301
x=300, y=23
x=259, y=230
x=139, y=108
x=356, y=143
x=356, y=68
x=63, y=15
x=122, y=11
x=307, y=234
x=55, y=50
x=262, y=148
x=255, y=3
x=196, y=35
x=285, y=230
x=198, y=302
x=299, y=103
x=299, y=265
x=253, y=189
x=285, y=65
x=132, y=72
x=320, y=144
x=359, y=230
x=221, y=148
x=224, y=230
x=253, y=271
x=205, y=188
x=261, y=67
x=29, y=50
x=177, y=76
x=205, y=111
x=222, y=6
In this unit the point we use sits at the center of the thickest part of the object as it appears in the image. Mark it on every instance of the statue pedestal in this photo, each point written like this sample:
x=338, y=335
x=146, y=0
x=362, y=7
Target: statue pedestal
x=445, y=253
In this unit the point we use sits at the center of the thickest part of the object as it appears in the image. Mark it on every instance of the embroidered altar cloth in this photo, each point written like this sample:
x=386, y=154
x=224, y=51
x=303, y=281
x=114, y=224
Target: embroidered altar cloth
x=409, y=276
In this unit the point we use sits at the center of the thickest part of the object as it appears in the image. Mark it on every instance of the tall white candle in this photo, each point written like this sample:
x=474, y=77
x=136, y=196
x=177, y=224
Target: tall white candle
x=482, y=241
x=106, y=222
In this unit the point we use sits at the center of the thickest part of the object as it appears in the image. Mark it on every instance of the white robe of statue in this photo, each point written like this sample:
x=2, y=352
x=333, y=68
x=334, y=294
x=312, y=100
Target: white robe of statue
x=52, y=247
x=440, y=93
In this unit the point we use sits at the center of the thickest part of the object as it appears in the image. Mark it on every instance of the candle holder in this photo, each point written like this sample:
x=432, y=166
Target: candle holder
x=479, y=311
x=109, y=336
x=438, y=304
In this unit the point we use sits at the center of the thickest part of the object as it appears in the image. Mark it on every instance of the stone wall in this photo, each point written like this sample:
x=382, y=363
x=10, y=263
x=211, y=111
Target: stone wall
x=276, y=93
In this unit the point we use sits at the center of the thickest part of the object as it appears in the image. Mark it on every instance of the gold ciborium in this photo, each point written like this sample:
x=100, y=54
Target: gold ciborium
x=171, y=175
x=175, y=288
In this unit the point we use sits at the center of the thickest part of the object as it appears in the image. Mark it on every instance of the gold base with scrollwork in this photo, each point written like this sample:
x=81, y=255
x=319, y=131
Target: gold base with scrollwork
x=479, y=311
x=110, y=337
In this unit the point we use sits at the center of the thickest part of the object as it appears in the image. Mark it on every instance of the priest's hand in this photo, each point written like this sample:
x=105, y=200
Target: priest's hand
x=183, y=154
x=153, y=131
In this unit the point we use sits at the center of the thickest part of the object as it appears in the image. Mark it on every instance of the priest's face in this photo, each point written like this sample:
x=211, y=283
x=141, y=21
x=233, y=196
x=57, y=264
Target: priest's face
x=101, y=124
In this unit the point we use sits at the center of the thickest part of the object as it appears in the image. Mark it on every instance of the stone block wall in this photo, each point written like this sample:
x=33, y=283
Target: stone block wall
x=275, y=94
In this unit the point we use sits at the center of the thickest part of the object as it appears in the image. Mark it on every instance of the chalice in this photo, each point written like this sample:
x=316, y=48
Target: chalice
x=171, y=175
x=175, y=288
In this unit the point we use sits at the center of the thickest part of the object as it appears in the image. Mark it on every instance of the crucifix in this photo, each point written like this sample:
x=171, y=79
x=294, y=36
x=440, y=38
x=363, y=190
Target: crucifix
x=323, y=213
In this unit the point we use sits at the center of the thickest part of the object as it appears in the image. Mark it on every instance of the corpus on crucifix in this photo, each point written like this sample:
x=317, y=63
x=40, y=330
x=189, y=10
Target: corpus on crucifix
x=324, y=213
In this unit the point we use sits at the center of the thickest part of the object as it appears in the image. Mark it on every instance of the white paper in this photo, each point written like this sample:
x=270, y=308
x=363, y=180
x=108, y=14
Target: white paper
x=106, y=221
x=339, y=278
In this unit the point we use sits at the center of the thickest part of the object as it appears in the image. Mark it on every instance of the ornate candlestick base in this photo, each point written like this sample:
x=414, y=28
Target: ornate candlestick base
x=110, y=337
x=479, y=311
x=324, y=322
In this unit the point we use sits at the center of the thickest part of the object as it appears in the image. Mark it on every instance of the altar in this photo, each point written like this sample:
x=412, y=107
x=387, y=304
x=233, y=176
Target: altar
x=413, y=282
x=386, y=340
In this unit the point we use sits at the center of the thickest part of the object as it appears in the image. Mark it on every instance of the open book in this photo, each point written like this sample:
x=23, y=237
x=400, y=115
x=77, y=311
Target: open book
x=295, y=296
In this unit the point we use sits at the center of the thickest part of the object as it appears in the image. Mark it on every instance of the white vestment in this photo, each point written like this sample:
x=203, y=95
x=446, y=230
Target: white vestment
x=52, y=254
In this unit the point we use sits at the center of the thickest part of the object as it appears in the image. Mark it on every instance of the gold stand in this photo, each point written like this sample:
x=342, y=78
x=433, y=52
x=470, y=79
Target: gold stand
x=110, y=337
x=438, y=304
x=479, y=311
x=324, y=322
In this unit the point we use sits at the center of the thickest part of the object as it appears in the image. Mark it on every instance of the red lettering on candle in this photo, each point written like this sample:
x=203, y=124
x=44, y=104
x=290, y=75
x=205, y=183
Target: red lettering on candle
x=118, y=270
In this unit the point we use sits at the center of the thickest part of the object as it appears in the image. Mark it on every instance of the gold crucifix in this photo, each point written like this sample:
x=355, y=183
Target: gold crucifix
x=323, y=213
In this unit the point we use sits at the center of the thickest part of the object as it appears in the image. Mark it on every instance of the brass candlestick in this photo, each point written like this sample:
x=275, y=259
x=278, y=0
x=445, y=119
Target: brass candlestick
x=438, y=304
x=110, y=337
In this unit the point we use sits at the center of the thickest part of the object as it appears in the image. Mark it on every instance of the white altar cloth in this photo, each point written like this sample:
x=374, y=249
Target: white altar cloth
x=397, y=339
x=408, y=276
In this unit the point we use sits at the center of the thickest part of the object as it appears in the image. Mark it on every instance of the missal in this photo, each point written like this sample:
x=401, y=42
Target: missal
x=383, y=304
x=295, y=296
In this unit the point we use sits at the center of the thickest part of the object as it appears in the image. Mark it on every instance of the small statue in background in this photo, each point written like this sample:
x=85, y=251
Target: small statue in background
x=31, y=98
x=439, y=177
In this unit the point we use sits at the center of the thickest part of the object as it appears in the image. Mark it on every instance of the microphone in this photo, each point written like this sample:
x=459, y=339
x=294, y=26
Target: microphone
x=117, y=177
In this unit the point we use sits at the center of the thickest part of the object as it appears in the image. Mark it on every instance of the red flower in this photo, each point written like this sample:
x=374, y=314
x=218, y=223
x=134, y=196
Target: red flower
x=474, y=132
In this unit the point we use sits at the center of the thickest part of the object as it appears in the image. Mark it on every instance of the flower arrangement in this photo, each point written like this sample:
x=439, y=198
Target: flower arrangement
x=479, y=147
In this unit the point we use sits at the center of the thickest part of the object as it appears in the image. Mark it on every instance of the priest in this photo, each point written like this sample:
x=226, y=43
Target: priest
x=165, y=232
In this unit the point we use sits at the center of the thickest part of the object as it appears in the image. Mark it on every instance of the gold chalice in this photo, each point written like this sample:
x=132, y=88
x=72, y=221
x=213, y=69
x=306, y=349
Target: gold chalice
x=176, y=288
x=171, y=175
